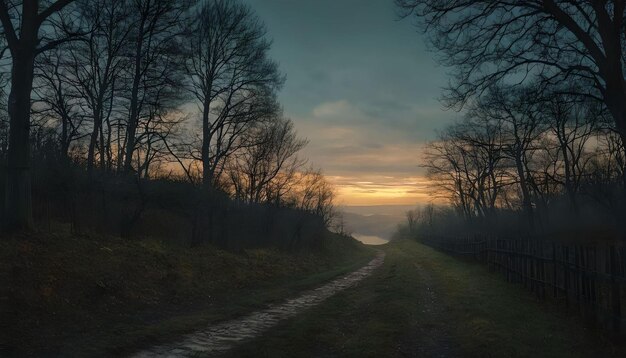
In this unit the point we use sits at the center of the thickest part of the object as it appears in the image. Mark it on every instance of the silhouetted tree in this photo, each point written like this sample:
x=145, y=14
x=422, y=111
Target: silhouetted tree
x=155, y=35
x=528, y=151
x=517, y=111
x=572, y=122
x=57, y=99
x=553, y=41
x=265, y=170
x=94, y=70
x=315, y=195
x=30, y=28
x=232, y=78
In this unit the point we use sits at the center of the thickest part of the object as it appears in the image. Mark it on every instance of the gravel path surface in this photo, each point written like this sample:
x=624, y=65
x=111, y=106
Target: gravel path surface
x=221, y=337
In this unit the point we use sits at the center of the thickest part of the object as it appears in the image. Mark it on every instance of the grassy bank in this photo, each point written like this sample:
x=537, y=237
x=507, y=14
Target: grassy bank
x=425, y=303
x=64, y=295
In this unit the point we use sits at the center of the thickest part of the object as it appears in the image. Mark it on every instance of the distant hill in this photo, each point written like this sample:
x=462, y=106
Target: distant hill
x=393, y=210
x=379, y=220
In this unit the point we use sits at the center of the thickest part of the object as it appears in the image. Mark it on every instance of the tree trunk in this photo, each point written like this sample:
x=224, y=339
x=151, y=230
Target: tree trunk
x=18, y=199
x=91, y=154
x=569, y=175
x=131, y=133
x=103, y=148
x=207, y=177
x=133, y=118
x=65, y=138
x=616, y=103
x=526, y=202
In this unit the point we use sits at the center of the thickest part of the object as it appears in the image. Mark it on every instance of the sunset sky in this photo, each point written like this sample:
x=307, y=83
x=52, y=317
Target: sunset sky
x=363, y=89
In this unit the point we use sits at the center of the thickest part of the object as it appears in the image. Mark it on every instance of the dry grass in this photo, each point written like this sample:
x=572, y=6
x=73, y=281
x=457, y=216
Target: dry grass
x=423, y=303
x=91, y=295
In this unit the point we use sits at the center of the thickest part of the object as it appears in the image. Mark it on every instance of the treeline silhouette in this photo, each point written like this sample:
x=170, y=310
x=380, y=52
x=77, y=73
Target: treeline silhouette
x=540, y=151
x=523, y=162
x=151, y=117
x=535, y=173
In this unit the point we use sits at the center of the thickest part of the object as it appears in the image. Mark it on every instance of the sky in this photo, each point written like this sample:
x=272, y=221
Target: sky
x=362, y=88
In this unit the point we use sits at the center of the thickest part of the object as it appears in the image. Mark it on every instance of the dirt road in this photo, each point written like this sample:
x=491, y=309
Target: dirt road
x=219, y=338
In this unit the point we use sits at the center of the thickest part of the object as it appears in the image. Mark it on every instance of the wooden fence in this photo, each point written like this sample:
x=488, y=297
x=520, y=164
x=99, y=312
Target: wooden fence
x=590, y=279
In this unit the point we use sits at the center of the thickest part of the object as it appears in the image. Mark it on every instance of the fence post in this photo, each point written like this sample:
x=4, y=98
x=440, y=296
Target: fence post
x=615, y=290
x=594, y=295
x=555, y=291
x=566, y=275
x=533, y=268
x=581, y=264
x=578, y=277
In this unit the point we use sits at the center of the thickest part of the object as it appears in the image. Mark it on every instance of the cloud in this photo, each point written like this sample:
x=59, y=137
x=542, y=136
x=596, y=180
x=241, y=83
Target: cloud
x=338, y=109
x=364, y=92
x=370, y=161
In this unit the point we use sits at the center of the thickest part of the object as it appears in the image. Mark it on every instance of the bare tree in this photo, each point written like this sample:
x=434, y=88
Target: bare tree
x=157, y=28
x=478, y=161
x=468, y=164
x=517, y=111
x=443, y=162
x=265, y=170
x=231, y=77
x=316, y=196
x=572, y=122
x=160, y=126
x=484, y=159
x=607, y=171
x=553, y=41
x=94, y=67
x=528, y=151
x=55, y=93
x=30, y=28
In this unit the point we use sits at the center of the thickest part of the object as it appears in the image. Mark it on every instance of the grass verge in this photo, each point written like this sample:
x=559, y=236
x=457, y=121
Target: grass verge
x=64, y=295
x=425, y=303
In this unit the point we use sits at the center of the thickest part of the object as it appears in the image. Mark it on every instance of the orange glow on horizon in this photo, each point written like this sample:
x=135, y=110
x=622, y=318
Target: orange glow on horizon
x=382, y=191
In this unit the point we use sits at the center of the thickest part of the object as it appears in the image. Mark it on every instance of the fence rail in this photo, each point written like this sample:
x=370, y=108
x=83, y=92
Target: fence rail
x=590, y=279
